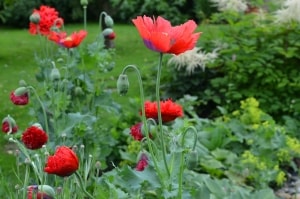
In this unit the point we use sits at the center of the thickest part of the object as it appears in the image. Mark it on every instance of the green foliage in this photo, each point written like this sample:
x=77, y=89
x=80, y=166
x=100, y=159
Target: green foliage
x=256, y=59
x=176, y=11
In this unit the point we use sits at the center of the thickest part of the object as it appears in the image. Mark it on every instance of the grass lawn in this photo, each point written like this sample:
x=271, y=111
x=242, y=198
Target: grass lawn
x=17, y=62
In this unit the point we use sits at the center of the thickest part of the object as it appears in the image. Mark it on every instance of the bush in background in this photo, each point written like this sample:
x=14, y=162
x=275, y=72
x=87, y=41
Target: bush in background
x=256, y=58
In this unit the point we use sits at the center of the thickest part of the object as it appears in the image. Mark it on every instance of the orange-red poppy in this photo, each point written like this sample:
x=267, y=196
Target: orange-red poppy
x=159, y=35
x=71, y=41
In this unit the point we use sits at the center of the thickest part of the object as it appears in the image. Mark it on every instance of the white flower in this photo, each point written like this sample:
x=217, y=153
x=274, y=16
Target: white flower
x=192, y=59
x=230, y=5
x=290, y=12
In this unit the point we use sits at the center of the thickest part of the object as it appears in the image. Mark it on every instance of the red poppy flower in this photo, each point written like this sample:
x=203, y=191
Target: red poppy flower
x=142, y=163
x=19, y=99
x=136, y=132
x=71, y=41
x=48, y=18
x=40, y=192
x=34, y=137
x=63, y=163
x=5, y=128
x=169, y=110
x=159, y=35
x=111, y=36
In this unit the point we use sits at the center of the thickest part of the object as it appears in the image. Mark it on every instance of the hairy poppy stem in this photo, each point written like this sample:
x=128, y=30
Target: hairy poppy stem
x=82, y=186
x=193, y=129
x=43, y=109
x=159, y=113
x=144, y=120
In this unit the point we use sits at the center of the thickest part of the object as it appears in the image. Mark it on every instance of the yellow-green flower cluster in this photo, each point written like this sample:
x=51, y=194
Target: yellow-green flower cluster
x=250, y=159
x=280, y=177
x=283, y=155
x=293, y=144
x=134, y=147
x=251, y=113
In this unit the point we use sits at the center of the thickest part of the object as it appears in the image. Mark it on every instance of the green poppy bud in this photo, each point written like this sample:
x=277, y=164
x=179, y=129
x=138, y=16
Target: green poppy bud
x=122, y=84
x=191, y=159
x=55, y=74
x=78, y=91
x=22, y=83
x=109, y=22
x=84, y=2
x=21, y=91
x=35, y=18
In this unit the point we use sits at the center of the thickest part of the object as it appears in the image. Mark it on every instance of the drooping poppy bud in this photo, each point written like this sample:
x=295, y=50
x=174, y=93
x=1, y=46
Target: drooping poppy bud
x=191, y=159
x=55, y=74
x=109, y=22
x=122, y=84
x=78, y=91
x=9, y=125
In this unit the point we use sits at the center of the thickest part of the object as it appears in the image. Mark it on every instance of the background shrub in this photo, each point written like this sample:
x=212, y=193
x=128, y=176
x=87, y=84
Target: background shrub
x=257, y=60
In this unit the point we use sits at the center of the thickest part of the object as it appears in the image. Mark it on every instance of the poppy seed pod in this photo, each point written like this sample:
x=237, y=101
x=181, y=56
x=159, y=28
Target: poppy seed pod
x=35, y=18
x=55, y=74
x=109, y=22
x=84, y=2
x=192, y=159
x=123, y=84
x=21, y=91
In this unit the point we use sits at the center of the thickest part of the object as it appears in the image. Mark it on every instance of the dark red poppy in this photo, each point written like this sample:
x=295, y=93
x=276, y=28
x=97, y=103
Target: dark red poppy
x=159, y=35
x=136, y=132
x=19, y=99
x=6, y=128
x=63, y=163
x=169, y=110
x=142, y=163
x=48, y=19
x=34, y=137
x=71, y=41
x=111, y=36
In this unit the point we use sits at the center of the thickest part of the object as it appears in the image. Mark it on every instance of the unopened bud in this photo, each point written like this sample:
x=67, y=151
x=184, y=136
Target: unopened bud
x=35, y=18
x=78, y=91
x=55, y=74
x=192, y=159
x=22, y=83
x=122, y=84
x=109, y=22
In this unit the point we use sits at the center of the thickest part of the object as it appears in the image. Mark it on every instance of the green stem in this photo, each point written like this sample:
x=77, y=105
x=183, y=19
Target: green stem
x=43, y=109
x=144, y=119
x=182, y=157
x=159, y=113
x=82, y=186
x=84, y=17
x=100, y=19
